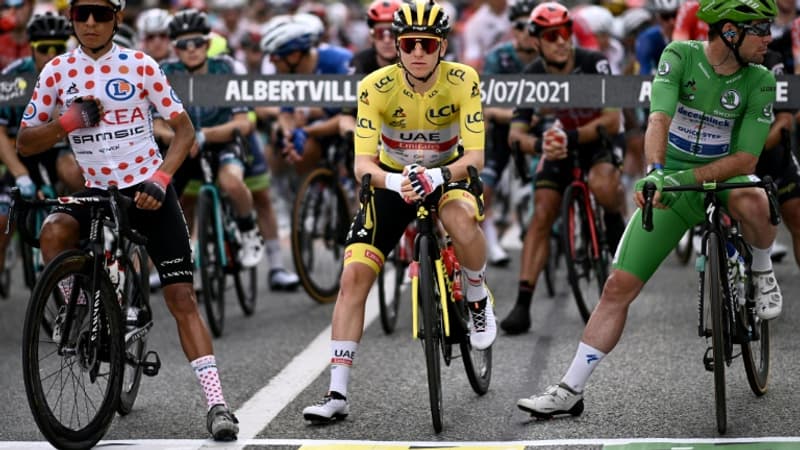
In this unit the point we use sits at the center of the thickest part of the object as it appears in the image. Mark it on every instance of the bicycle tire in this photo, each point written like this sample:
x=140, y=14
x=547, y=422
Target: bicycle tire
x=431, y=328
x=212, y=275
x=551, y=267
x=320, y=220
x=684, y=248
x=389, y=300
x=77, y=266
x=28, y=269
x=755, y=353
x=136, y=294
x=10, y=261
x=578, y=254
x=246, y=282
x=716, y=275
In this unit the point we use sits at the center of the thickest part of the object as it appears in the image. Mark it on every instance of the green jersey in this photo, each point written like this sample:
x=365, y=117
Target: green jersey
x=712, y=115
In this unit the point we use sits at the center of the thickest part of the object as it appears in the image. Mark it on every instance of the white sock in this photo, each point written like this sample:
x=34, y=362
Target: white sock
x=476, y=288
x=761, y=259
x=274, y=256
x=342, y=354
x=586, y=359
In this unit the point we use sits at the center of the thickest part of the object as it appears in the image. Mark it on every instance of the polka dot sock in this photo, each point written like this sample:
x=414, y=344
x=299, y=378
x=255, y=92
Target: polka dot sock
x=205, y=367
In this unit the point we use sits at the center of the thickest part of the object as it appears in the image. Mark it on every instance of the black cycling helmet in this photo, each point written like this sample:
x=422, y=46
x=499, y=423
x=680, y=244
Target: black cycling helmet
x=48, y=26
x=188, y=21
x=521, y=8
x=421, y=16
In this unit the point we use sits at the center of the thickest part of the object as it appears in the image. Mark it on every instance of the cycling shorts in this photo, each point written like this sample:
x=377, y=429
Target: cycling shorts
x=557, y=175
x=641, y=252
x=377, y=227
x=192, y=170
x=165, y=229
x=782, y=166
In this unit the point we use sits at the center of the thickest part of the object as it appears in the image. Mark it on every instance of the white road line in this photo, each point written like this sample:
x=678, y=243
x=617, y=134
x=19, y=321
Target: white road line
x=257, y=412
x=179, y=444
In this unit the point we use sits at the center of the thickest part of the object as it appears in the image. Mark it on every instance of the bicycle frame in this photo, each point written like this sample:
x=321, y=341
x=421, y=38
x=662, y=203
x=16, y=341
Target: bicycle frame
x=209, y=187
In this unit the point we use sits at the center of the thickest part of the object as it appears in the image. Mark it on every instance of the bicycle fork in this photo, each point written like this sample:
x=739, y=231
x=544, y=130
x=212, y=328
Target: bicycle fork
x=440, y=282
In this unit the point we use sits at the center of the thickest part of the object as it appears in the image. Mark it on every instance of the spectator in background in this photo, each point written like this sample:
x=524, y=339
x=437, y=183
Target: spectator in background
x=508, y=57
x=152, y=25
x=652, y=41
x=601, y=23
x=13, y=38
x=228, y=20
x=487, y=27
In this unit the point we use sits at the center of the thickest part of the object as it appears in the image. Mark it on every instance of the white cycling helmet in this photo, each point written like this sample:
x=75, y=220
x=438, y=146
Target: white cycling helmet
x=152, y=21
x=119, y=5
x=599, y=19
x=632, y=20
x=665, y=5
x=228, y=4
x=286, y=34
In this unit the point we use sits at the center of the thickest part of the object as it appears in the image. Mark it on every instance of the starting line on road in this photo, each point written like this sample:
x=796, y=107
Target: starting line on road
x=775, y=443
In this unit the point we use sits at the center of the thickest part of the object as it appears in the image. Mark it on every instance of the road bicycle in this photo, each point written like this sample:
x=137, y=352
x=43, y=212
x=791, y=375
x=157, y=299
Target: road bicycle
x=321, y=216
x=726, y=284
x=86, y=326
x=436, y=296
x=584, y=243
x=218, y=244
x=32, y=264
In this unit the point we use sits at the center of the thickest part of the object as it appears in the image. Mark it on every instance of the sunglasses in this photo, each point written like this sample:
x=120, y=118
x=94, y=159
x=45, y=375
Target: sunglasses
x=100, y=13
x=193, y=42
x=429, y=45
x=520, y=25
x=381, y=33
x=552, y=34
x=45, y=47
x=760, y=29
x=154, y=36
x=666, y=16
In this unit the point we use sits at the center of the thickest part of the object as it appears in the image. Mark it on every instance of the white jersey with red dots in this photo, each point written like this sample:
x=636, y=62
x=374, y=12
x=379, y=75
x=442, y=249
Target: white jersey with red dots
x=121, y=149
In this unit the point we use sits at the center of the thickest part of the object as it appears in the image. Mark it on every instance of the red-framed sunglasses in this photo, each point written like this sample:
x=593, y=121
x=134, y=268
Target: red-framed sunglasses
x=552, y=34
x=429, y=44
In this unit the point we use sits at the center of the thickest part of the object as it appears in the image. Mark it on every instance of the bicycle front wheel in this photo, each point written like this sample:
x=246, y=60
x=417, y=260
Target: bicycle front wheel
x=72, y=384
x=137, y=296
x=212, y=275
x=320, y=220
x=477, y=363
x=431, y=334
x=586, y=262
x=715, y=277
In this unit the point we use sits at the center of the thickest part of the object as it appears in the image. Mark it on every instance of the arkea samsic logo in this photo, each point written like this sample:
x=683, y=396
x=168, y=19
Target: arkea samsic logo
x=10, y=90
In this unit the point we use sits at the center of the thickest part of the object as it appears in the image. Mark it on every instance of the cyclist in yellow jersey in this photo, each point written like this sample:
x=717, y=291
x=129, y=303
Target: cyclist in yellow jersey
x=412, y=116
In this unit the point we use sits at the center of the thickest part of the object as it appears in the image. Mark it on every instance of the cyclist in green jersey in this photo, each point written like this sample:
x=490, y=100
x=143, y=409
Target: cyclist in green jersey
x=710, y=112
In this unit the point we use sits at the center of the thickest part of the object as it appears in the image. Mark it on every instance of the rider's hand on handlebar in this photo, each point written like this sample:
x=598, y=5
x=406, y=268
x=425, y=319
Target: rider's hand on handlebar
x=424, y=181
x=657, y=178
x=26, y=187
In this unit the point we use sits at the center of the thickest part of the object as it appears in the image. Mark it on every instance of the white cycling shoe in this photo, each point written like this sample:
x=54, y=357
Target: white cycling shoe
x=769, y=300
x=484, y=325
x=333, y=406
x=252, y=249
x=556, y=399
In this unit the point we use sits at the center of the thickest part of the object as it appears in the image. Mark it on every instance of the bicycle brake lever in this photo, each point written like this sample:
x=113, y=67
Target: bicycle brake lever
x=774, y=209
x=647, y=211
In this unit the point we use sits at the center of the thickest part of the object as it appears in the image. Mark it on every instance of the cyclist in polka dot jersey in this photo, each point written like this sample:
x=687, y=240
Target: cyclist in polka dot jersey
x=99, y=96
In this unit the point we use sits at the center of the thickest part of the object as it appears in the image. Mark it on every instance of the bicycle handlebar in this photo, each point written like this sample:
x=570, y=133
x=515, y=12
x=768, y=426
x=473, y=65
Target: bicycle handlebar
x=766, y=183
x=117, y=202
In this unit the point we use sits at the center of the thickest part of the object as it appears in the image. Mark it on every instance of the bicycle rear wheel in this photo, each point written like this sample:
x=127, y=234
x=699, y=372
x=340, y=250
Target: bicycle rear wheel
x=715, y=277
x=137, y=295
x=73, y=388
x=320, y=220
x=212, y=275
x=390, y=291
x=246, y=282
x=586, y=260
x=431, y=328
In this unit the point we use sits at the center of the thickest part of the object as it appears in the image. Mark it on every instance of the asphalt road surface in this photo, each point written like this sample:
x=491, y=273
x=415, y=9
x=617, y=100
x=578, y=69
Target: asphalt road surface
x=651, y=392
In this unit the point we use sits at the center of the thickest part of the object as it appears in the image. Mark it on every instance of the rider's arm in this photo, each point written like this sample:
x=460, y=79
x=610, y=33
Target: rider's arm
x=182, y=141
x=9, y=156
x=324, y=127
x=223, y=133
x=162, y=131
x=655, y=138
x=610, y=119
x=783, y=120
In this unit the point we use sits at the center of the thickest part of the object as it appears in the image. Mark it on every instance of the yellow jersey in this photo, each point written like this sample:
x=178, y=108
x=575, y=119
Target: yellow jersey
x=402, y=127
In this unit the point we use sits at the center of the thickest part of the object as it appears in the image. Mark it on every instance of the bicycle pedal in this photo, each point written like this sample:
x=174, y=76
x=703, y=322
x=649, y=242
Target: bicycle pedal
x=708, y=359
x=150, y=368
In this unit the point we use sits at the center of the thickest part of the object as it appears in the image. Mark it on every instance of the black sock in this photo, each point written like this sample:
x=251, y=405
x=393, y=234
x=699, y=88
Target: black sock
x=615, y=226
x=525, y=293
x=246, y=223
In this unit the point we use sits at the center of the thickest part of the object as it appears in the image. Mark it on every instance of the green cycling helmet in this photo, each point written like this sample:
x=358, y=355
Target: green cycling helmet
x=737, y=11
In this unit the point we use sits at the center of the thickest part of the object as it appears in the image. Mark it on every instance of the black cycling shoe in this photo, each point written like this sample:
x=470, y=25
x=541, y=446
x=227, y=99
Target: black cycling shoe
x=222, y=424
x=518, y=321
